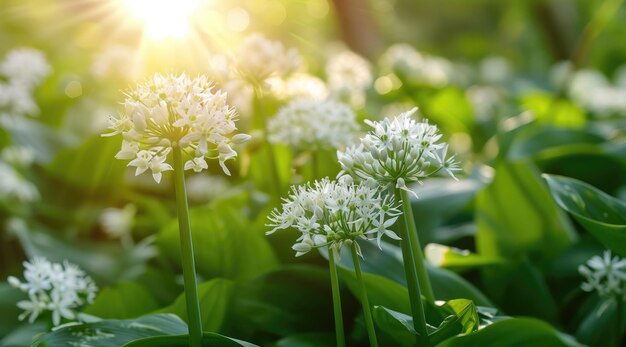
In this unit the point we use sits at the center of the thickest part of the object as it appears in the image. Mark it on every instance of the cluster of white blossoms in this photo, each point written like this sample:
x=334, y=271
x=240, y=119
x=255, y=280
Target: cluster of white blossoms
x=348, y=76
x=299, y=86
x=410, y=65
x=169, y=111
x=396, y=152
x=55, y=287
x=21, y=70
x=606, y=275
x=118, y=222
x=15, y=187
x=333, y=213
x=259, y=58
x=311, y=124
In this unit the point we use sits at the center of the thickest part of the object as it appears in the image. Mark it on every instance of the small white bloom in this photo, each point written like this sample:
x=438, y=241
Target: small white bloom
x=397, y=152
x=310, y=124
x=348, y=75
x=118, y=222
x=59, y=288
x=18, y=156
x=13, y=186
x=299, y=86
x=25, y=66
x=606, y=275
x=330, y=213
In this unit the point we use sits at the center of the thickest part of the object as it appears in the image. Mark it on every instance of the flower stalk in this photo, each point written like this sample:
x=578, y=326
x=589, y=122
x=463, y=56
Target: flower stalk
x=334, y=281
x=416, y=247
x=369, y=321
x=187, y=257
x=412, y=278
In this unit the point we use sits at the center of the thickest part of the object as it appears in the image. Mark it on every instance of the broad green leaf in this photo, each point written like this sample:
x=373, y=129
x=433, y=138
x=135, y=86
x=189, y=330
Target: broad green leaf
x=23, y=335
x=291, y=300
x=396, y=324
x=514, y=332
x=225, y=243
x=549, y=109
x=388, y=263
x=92, y=166
x=458, y=259
x=9, y=297
x=601, y=214
x=380, y=290
x=208, y=340
x=515, y=216
x=124, y=300
x=113, y=333
x=214, y=297
x=536, y=141
x=599, y=327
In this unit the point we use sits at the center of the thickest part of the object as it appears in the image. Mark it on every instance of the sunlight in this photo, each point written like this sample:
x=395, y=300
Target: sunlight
x=163, y=18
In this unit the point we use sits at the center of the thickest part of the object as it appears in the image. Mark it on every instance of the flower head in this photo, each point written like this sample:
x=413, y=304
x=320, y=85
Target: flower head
x=169, y=111
x=606, y=275
x=25, y=66
x=331, y=213
x=59, y=288
x=299, y=86
x=14, y=186
x=259, y=58
x=118, y=222
x=396, y=152
x=310, y=124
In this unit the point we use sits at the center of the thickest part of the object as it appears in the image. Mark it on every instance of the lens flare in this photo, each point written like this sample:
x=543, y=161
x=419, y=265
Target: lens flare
x=163, y=18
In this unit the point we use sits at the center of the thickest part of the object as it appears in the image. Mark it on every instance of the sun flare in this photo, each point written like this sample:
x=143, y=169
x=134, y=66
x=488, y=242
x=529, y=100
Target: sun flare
x=163, y=18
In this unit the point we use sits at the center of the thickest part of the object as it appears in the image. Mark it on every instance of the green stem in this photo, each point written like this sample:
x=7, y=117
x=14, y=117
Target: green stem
x=618, y=320
x=186, y=247
x=260, y=122
x=416, y=248
x=369, y=321
x=413, y=284
x=314, y=165
x=334, y=281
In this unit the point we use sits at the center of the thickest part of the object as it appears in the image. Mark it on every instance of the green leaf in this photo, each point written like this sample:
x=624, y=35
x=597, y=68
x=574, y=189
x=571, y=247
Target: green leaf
x=214, y=297
x=113, y=333
x=457, y=259
x=380, y=290
x=540, y=141
x=549, y=109
x=291, y=300
x=125, y=300
x=208, y=340
x=9, y=297
x=23, y=335
x=602, y=215
x=514, y=332
x=396, y=324
x=225, y=243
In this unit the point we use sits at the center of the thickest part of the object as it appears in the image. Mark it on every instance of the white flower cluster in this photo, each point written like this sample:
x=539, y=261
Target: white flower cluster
x=311, y=124
x=606, y=275
x=299, y=86
x=331, y=213
x=168, y=111
x=259, y=58
x=59, y=288
x=22, y=69
x=348, y=75
x=14, y=186
x=397, y=152
x=407, y=63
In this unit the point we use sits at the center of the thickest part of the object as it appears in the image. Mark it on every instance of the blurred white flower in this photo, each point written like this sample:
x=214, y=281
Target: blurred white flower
x=18, y=156
x=484, y=100
x=25, y=66
x=15, y=187
x=593, y=91
x=168, y=111
x=419, y=69
x=204, y=188
x=397, y=152
x=348, y=76
x=331, y=213
x=495, y=69
x=59, y=288
x=606, y=275
x=299, y=86
x=115, y=61
x=17, y=99
x=118, y=222
x=310, y=124
x=259, y=58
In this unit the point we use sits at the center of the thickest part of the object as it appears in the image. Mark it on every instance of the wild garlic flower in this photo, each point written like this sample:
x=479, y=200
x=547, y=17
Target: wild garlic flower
x=259, y=58
x=348, y=76
x=606, y=275
x=397, y=152
x=169, y=111
x=15, y=187
x=299, y=86
x=18, y=156
x=333, y=213
x=311, y=124
x=25, y=66
x=118, y=222
x=59, y=288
